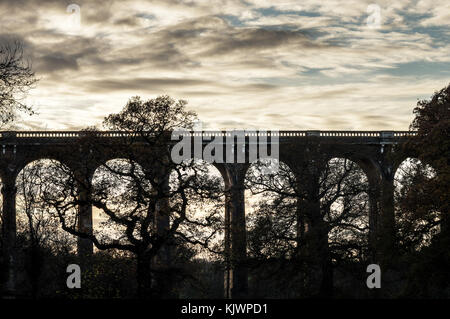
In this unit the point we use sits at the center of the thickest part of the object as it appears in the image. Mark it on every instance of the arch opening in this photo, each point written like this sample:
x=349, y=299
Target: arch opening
x=417, y=220
x=203, y=187
x=344, y=205
x=200, y=237
x=120, y=192
x=272, y=230
x=37, y=221
x=40, y=239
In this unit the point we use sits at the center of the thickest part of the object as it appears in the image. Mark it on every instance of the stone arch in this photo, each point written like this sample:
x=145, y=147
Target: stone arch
x=410, y=160
x=140, y=161
x=21, y=163
x=214, y=168
x=106, y=160
x=101, y=162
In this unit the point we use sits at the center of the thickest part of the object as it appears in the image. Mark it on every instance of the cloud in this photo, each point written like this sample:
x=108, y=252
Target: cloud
x=139, y=84
x=255, y=63
x=56, y=62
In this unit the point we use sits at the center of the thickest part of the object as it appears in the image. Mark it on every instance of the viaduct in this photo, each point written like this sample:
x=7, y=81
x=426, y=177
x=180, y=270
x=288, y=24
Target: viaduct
x=372, y=150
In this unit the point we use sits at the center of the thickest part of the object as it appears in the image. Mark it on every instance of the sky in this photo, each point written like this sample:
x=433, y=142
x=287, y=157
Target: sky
x=256, y=64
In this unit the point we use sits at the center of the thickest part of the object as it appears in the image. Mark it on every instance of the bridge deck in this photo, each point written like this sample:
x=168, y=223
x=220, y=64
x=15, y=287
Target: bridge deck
x=63, y=137
x=56, y=134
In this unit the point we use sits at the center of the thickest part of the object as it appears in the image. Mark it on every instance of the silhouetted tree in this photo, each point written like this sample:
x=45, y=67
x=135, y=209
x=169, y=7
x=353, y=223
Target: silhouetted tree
x=39, y=235
x=313, y=217
x=16, y=78
x=423, y=201
x=432, y=144
x=143, y=196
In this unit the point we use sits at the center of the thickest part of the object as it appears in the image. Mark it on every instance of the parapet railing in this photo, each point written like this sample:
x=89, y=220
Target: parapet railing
x=75, y=134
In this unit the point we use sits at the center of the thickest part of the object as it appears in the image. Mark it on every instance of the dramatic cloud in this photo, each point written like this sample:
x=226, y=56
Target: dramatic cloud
x=240, y=64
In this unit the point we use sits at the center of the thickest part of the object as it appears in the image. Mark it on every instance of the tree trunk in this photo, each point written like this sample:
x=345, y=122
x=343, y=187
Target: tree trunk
x=144, y=276
x=36, y=269
x=326, y=287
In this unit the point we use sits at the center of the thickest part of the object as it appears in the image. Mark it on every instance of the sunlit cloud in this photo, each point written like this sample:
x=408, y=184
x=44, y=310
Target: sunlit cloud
x=250, y=64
